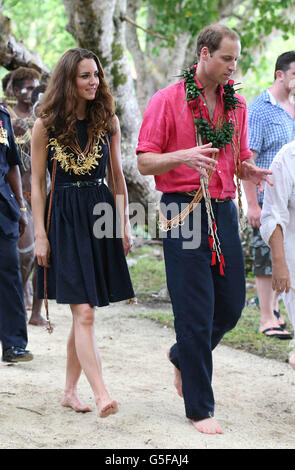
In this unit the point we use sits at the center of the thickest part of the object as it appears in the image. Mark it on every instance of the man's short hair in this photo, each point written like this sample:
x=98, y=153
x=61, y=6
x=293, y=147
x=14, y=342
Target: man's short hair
x=284, y=61
x=211, y=37
x=24, y=73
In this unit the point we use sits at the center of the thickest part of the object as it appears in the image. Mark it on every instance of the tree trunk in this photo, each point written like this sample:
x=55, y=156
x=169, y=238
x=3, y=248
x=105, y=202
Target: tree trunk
x=14, y=54
x=97, y=25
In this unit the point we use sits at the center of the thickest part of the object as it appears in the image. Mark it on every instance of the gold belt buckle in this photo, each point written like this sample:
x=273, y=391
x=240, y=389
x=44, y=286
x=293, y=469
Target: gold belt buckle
x=221, y=200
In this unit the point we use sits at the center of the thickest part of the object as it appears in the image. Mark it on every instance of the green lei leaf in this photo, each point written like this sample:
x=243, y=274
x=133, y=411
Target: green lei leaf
x=208, y=132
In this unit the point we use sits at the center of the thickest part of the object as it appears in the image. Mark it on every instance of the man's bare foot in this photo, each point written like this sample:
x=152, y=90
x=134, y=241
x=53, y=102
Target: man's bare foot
x=37, y=320
x=207, y=426
x=107, y=407
x=73, y=401
x=177, y=377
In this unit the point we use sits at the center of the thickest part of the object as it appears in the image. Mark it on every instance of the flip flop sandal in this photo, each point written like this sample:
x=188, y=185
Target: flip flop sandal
x=278, y=315
x=277, y=335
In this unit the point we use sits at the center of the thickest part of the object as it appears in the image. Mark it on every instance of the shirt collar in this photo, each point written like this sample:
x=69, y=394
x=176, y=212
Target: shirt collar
x=271, y=98
x=268, y=97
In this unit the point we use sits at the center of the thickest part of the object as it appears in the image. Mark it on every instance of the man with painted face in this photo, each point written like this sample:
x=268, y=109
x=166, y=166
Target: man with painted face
x=194, y=139
x=271, y=126
x=24, y=81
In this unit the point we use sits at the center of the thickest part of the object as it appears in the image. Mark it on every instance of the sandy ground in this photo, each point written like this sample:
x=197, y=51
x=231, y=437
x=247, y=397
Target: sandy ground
x=254, y=396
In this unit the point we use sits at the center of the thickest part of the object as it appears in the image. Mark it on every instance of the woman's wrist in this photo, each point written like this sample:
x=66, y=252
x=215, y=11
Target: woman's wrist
x=40, y=235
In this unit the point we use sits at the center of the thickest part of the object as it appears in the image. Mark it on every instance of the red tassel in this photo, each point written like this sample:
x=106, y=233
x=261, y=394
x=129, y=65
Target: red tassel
x=211, y=241
x=213, y=262
x=214, y=226
x=222, y=264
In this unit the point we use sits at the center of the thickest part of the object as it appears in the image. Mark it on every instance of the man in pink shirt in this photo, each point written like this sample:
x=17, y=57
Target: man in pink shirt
x=194, y=139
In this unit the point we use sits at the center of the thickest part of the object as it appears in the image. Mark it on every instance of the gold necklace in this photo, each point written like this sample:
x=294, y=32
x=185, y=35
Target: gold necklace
x=73, y=159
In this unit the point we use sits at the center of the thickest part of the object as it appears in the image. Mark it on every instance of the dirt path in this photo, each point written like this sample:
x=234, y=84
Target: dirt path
x=254, y=396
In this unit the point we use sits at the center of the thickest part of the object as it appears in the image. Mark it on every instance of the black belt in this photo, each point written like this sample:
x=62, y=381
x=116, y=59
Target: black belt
x=80, y=184
x=213, y=199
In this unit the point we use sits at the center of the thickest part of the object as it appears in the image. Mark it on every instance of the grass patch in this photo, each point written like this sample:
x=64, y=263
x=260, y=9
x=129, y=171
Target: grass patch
x=148, y=277
x=148, y=274
x=245, y=337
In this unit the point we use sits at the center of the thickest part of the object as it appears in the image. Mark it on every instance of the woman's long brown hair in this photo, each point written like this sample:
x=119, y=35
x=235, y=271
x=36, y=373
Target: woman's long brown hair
x=59, y=102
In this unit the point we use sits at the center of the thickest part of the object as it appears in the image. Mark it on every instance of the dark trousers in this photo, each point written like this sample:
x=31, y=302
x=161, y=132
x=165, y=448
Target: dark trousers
x=205, y=304
x=13, y=328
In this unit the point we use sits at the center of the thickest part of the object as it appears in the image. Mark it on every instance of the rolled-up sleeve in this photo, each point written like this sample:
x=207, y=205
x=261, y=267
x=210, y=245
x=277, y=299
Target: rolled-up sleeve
x=154, y=132
x=275, y=204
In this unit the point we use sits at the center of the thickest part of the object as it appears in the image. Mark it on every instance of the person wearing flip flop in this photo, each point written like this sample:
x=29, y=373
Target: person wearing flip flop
x=194, y=139
x=271, y=125
x=278, y=229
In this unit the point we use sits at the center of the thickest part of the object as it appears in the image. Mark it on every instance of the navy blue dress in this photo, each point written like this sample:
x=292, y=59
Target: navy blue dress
x=87, y=263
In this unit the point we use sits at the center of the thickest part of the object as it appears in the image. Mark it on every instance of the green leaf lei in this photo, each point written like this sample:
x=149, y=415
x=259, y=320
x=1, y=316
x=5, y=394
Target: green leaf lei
x=208, y=132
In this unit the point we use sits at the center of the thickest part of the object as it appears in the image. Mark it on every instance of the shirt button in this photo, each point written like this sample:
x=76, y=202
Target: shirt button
x=219, y=171
x=11, y=195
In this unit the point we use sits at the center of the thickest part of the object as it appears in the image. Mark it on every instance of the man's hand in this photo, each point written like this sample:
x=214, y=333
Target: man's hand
x=198, y=159
x=254, y=214
x=280, y=277
x=256, y=175
x=23, y=222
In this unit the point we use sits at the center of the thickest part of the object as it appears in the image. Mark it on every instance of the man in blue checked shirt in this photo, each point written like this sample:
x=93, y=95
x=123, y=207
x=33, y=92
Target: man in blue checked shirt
x=271, y=125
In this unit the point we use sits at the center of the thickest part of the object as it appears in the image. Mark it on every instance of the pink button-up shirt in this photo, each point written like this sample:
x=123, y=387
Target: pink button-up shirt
x=168, y=125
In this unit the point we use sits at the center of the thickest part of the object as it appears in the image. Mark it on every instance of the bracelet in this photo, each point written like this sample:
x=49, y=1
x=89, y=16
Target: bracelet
x=23, y=209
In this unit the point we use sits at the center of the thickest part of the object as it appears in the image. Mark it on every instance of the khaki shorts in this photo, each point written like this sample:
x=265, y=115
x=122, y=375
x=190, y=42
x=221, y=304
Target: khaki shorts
x=261, y=265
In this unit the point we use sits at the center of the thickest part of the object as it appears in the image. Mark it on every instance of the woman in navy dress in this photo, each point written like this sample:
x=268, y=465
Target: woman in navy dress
x=83, y=252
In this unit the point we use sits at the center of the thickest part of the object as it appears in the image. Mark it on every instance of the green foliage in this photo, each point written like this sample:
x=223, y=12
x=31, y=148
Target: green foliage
x=253, y=20
x=261, y=75
x=259, y=19
x=175, y=16
x=41, y=26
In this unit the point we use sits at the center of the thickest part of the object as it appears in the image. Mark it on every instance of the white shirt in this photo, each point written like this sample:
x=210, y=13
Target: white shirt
x=279, y=203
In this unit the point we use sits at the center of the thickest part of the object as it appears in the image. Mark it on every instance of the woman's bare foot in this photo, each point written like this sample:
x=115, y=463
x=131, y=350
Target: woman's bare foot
x=207, y=426
x=292, y=360
x=71, y=400
x=177, y=377
x=107, y=407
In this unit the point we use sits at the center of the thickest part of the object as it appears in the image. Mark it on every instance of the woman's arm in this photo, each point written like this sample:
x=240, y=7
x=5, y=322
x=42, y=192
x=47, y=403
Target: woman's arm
x=120, y=190
x=39, y=163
